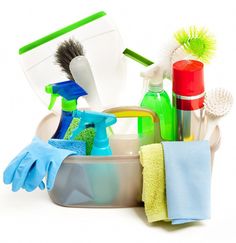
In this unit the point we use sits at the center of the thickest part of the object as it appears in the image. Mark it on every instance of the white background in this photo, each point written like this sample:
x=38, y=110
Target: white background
x=144, y=25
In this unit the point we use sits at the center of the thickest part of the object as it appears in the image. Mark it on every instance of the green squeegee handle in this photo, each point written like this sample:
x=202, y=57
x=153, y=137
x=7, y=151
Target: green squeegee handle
x=137, y=57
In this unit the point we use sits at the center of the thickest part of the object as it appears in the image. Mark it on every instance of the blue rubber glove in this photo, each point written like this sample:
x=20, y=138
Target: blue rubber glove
x=33, y=163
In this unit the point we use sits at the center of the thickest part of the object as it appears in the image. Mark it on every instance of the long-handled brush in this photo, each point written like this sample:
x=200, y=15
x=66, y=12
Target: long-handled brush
x=195, y=43
x=70, y=56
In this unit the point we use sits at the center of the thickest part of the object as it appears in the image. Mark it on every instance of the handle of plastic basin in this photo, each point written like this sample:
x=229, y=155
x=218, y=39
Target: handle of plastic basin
x=136, y=111
x=133, y=111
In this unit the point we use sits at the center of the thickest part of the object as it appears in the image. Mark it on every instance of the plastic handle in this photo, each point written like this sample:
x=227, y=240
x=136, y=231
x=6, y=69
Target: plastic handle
x=133, y=111
x=137, y=57
x=82, y=74
x=49, y=90
x=211, y=125
x=52, y=101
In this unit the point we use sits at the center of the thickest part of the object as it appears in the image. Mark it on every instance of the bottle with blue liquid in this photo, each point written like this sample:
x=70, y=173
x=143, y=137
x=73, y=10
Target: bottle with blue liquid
x=70, y=92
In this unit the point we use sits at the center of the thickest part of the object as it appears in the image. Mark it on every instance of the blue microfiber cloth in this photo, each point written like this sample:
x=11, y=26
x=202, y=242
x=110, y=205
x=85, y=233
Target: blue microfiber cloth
x=188, y=180
x=76, y=146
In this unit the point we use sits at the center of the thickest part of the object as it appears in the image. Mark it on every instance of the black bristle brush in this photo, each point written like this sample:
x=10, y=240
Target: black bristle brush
x=70, y=57
x=68, y=50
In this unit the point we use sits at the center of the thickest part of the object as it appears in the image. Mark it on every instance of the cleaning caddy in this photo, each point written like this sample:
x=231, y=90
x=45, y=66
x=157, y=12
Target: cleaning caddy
x=95, y=152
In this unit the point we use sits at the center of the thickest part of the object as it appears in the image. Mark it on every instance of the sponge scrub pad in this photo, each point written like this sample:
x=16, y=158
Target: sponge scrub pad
x=76, y=146
x=87, y=135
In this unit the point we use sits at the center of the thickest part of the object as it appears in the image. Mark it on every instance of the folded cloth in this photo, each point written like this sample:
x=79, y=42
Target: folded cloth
x=188, y=180
x=154, y=195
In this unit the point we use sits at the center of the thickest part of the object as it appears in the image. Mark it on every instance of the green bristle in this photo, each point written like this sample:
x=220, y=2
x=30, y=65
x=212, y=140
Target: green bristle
x=197, y=42
x=87, y=135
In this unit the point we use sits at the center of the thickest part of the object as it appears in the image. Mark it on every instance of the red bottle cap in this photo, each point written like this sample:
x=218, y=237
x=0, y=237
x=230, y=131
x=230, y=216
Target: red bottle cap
x=188, y=78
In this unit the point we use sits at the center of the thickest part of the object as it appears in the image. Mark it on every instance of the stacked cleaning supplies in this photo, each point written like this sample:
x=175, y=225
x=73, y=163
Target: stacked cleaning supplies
x=176, y=175
x=186, y=174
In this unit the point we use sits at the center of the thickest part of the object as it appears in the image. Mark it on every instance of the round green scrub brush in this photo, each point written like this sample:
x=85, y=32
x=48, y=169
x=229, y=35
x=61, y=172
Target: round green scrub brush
x=193, y=43
x=197, y=42
x=87, y=135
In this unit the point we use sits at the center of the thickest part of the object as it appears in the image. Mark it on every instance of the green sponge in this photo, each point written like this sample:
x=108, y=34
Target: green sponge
x=87, y=135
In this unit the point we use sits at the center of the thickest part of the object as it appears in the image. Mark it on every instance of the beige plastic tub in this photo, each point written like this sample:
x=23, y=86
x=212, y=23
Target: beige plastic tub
x=89, y=181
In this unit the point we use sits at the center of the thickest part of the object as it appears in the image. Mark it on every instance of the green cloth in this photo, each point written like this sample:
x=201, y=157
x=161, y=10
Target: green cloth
x=154, y=189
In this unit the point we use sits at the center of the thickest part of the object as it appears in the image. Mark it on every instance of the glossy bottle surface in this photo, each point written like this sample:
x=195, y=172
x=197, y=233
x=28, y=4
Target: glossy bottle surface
x=188, y=100
x=66, y=118
x=158, y=102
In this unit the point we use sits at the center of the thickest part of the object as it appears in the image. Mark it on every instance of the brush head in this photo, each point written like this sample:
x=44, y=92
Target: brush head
x=218, y=102
x=193, y=43
x=68, y=50
x=197, y=42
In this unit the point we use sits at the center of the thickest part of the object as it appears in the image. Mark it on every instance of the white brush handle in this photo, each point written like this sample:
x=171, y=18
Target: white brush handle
x=82, y=74
x=211, y=125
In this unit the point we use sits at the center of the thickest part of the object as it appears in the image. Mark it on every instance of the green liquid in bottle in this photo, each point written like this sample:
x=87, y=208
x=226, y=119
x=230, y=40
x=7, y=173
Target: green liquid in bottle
x=159, y=102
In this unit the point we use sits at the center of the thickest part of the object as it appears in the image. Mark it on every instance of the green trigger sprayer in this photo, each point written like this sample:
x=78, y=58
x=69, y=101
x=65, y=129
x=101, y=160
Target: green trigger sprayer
x=70, y=92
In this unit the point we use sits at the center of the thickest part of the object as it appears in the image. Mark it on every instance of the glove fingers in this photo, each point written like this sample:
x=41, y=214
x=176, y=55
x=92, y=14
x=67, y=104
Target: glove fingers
x=54, y=166
x=9, y=172
x=21, y=172
x=42, y=186
x=51, y=177
x=35, y=176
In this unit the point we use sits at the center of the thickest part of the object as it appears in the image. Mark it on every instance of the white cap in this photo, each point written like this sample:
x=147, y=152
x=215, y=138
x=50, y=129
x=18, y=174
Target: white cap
x=154, y=74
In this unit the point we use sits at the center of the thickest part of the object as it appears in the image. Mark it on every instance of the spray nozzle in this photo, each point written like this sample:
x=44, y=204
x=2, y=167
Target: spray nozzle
x=68, y=90
x=101, y=121
x=154, y=75
x=49, y=90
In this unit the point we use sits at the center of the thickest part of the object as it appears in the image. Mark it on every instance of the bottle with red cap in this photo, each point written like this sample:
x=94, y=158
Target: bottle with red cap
x=188, y=99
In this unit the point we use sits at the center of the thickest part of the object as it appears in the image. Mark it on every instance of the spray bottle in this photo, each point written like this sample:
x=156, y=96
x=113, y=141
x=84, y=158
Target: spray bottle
x=157, y=100
x=188, y=99
x=103, y=177
x=100, y=121
x=70, y=92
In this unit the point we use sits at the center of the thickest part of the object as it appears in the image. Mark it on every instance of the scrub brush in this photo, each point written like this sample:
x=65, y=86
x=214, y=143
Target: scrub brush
x=70, y=57
x=191, y=43
x=218, y=103
x=66, y=51
x=197, y=42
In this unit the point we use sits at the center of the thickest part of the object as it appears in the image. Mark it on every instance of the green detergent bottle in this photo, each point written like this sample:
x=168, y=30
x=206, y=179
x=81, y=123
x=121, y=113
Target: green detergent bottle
x=157, y=100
